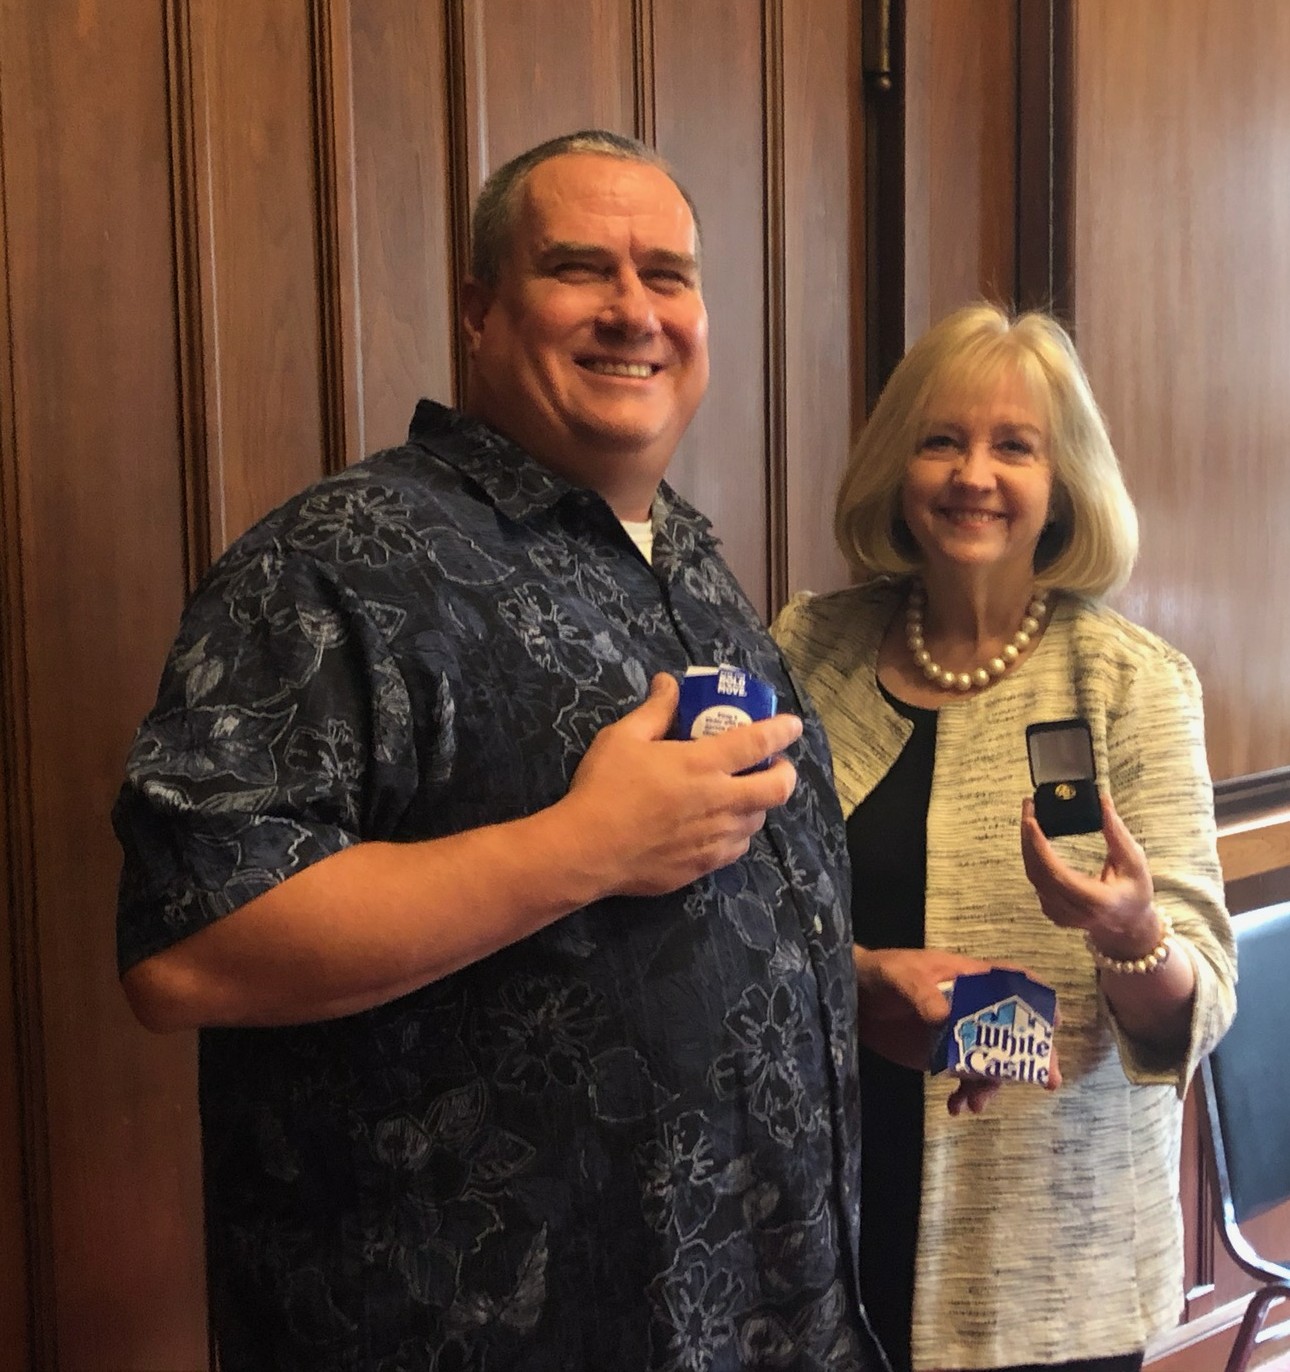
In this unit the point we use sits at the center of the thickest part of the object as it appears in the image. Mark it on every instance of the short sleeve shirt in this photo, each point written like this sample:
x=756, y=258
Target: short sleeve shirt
x=629, y=1140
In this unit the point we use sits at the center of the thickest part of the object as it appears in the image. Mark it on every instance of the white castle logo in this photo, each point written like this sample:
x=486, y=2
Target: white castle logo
x=1007, y=1040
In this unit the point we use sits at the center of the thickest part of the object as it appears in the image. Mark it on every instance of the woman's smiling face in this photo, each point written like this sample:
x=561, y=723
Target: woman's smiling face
x=978, y=488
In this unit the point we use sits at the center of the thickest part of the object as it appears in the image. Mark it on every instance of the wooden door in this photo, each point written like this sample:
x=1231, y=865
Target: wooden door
x=231, y=232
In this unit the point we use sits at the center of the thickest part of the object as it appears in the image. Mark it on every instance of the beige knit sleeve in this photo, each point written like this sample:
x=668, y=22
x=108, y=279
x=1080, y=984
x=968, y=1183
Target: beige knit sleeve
x=1160, y=783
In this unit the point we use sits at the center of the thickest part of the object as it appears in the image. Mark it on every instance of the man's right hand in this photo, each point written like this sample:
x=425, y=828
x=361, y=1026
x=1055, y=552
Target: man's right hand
x=654, y=813
x=643, y=816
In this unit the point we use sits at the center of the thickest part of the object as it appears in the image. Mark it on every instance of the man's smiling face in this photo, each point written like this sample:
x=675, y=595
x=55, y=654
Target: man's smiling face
x=591, y=351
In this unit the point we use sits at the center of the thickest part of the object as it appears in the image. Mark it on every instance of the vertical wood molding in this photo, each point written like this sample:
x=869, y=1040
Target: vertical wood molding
x=468, y=82
x=464, y=96
x=777, y=475
x=858, y=239
x=821, y=266
x=189, y=170
x=1045, y=155
x=341, y=398
x=1198, y=1299
x=32, y=1248
x=207, y=528
x=883, y=59
x=644, y=92
x=254, y=218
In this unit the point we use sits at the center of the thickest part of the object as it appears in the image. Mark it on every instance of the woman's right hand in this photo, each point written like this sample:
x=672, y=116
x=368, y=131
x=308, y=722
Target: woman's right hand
x=902, y=1004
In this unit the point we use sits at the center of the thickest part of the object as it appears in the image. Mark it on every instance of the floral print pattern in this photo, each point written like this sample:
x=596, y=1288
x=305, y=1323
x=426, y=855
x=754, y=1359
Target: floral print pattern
x=628, y=1141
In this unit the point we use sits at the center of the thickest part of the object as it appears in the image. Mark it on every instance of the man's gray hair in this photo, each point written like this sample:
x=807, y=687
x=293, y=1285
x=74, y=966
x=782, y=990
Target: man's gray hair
x=495, y=209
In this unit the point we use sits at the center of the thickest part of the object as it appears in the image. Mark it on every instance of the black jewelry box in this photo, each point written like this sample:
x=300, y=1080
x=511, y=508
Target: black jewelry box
x=1064, y=778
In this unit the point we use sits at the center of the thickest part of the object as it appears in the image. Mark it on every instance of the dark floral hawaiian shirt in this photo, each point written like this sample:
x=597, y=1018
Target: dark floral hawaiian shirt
x=627, y=1142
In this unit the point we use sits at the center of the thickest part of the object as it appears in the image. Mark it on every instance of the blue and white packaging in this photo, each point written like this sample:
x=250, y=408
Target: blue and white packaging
x=1000, y=1026
x=714, y=699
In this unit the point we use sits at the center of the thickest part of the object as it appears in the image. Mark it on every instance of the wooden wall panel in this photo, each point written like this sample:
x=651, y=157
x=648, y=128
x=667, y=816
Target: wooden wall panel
x=960, y=149
x=710, y=64
x=401, y=211
x=15, y=1290
x=1181, y=214
x=821, y=383
x=15, y=1344
x=255, y=128
x=943, y=165
x=16, y=918
x=1181, y=274
x=537, y=71
x=93, y=438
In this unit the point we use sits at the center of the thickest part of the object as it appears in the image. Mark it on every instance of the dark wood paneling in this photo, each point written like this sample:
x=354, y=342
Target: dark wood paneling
x=883, y=60
x=1263, y=888
x=1182, y=219
x=259, y=208
x=19, y=1023
x=1254, y=838
x=823, y=321
x=1183, y=348
x=1045, y=160
x=960, y=149
x=187, y=155
x=710, y=66
x=943, y=163
x=15, y=1179
x=536, y=71
x=402, y=244
x=99, y=512
x=1181, y=213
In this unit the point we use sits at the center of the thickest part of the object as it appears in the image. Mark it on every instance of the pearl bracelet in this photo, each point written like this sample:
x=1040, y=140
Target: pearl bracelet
x=1149, y=962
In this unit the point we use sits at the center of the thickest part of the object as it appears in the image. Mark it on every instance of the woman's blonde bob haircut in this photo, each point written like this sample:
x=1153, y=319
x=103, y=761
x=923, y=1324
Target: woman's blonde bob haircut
x=1091, y=541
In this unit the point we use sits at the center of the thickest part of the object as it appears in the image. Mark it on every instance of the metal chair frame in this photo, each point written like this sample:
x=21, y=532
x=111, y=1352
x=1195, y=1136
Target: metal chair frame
x=1265, y=1032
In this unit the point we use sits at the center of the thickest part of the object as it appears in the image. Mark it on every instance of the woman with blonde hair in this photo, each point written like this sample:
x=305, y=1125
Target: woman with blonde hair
x=984, y=513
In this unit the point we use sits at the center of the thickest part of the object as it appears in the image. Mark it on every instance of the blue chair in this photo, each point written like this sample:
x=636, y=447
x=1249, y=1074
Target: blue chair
x=1245, y=1089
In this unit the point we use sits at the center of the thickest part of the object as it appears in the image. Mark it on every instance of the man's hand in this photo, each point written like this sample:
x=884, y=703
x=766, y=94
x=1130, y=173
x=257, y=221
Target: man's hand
x=901, y=1007
x=658, y=813
x=643, y=816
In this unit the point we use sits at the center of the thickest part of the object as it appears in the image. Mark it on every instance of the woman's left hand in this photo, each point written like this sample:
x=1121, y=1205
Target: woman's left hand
x=1115, y=906
x=1115, y=910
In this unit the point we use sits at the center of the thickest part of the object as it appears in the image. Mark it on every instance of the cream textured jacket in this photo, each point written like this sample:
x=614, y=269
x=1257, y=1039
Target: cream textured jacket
x=1050, y=1226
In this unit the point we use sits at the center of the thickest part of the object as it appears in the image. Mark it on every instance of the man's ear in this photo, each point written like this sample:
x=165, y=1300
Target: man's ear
x=476, y=301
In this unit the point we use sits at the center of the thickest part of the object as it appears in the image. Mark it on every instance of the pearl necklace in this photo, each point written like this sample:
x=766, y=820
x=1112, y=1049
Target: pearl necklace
x=1036, y=608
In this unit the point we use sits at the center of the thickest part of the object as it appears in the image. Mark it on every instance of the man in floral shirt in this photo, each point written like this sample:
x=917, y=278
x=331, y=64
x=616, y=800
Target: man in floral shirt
x=527, y=1034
